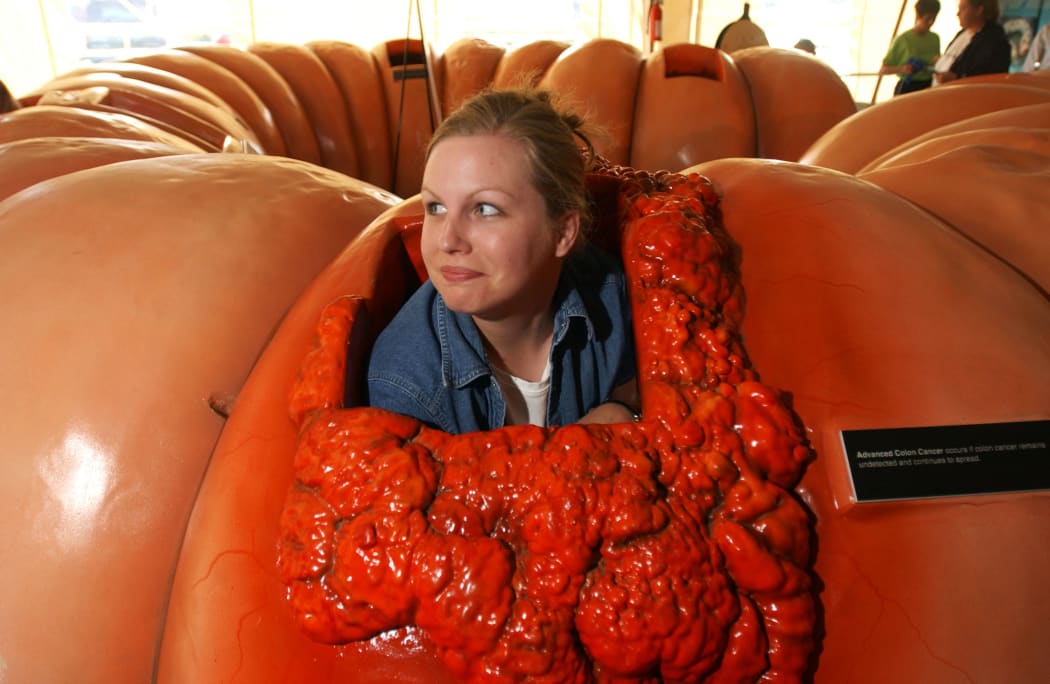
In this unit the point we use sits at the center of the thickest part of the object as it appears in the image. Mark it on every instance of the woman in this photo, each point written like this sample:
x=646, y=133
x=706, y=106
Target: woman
x=981, y=47
x=521, y=321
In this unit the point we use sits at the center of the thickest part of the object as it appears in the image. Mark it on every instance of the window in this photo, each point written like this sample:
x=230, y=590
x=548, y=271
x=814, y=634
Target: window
x=850, y=35
x=105, y=11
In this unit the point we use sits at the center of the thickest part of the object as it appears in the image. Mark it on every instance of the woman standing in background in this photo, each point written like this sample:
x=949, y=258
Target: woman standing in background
x=981, y=47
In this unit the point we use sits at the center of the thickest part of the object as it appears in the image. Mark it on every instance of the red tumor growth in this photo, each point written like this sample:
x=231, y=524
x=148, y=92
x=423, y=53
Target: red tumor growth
x=672, y=549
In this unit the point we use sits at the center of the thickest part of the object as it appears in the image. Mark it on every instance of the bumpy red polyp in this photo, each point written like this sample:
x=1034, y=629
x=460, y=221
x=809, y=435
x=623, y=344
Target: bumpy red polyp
x=672, y=549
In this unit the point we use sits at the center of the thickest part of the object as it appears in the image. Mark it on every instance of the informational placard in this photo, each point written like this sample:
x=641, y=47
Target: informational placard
x=948, y=460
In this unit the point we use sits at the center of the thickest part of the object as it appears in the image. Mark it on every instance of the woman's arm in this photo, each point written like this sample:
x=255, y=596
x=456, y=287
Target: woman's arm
x=622, y=406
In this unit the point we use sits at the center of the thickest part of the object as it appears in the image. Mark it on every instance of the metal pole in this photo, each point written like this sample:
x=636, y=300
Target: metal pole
x=47, y=39
x=878, y=81
x=251, y=18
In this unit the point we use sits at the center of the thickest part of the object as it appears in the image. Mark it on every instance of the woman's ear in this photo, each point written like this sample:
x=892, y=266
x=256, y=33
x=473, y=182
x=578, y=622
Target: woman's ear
x=567, y=230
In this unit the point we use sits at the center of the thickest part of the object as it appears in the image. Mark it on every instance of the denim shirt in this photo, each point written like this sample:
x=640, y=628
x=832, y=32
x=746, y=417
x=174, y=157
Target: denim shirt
x=429, y=363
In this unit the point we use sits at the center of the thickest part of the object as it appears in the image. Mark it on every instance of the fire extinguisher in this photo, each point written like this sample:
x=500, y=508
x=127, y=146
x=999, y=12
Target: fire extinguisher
x=656, y=16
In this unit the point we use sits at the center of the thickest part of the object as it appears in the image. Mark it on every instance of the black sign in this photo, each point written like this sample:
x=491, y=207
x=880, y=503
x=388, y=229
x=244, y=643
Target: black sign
x=948, y=460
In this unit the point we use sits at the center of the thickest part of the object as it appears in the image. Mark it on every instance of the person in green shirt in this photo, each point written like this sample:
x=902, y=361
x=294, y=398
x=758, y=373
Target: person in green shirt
x=912, y=53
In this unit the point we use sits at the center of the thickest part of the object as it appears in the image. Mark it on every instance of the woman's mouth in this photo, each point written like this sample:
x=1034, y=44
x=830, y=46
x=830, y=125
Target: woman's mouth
x=458, y=274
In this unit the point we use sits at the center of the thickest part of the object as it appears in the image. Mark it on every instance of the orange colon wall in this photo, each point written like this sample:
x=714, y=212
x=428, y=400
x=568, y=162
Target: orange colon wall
x=155, y=284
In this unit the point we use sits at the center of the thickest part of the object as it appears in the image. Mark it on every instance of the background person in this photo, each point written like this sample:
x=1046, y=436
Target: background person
x=806, y=45
x=8, y=103
x=912, y=53
x=1038, y=58
x=521, y=320
x=980, y=47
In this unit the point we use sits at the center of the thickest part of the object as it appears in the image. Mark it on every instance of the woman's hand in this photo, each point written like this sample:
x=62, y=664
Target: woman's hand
x=609, y=412
x=619, y=408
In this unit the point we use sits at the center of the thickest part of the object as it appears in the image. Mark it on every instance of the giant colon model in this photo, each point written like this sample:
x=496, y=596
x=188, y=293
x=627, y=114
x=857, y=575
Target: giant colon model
x=163, y=294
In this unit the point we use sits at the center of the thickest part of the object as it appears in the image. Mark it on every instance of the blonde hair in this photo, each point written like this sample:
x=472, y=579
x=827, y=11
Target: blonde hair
x=551, y=139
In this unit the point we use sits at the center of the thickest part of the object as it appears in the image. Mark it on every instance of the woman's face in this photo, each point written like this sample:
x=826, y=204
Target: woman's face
x=970, y=16
x=488, y=244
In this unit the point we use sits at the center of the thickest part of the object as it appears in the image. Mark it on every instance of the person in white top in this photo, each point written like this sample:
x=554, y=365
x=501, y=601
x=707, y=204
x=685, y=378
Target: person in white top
x=980, y=47
x=1038, y=58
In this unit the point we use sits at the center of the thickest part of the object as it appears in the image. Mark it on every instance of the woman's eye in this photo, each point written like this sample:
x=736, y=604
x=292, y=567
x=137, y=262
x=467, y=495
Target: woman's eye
x=485, y=209
x=435, y=208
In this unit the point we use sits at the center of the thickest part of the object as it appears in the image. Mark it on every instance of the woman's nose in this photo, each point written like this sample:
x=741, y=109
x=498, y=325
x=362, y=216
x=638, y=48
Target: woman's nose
x=450, y=235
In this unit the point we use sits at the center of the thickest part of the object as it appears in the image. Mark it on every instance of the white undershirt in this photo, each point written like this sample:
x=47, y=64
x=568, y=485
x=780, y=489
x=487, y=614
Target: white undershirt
x=952, y=53
x=526, y=401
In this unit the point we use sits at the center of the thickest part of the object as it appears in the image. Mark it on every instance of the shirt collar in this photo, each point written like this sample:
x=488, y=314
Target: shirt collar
x=463, y=358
